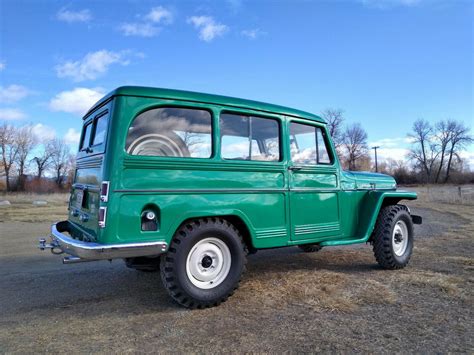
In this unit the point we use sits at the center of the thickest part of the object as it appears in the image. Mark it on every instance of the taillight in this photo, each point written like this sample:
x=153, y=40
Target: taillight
x=104, y=191
x=102, y=216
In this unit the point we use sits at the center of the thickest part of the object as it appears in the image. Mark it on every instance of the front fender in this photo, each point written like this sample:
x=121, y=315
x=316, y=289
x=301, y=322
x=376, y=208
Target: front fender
x=372, y=203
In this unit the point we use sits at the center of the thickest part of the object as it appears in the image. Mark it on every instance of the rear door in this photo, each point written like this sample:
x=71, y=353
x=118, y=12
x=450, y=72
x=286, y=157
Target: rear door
x=314, y=187
x=85, y=197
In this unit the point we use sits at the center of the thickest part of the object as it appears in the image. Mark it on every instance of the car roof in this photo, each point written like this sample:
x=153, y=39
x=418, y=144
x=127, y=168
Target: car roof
x=205, y=98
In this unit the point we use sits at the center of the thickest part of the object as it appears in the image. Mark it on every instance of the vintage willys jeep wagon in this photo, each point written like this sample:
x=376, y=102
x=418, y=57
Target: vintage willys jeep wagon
x=189, y=183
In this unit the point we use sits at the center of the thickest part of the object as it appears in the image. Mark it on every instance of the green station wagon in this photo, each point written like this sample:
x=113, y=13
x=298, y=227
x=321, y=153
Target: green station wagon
x=190, y=183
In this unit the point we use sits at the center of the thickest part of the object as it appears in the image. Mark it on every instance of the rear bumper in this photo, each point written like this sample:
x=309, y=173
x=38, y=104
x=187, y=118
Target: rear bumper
x=88, y=251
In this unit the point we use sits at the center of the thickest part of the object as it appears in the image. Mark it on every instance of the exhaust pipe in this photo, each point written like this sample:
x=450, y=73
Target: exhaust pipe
x=75, y=260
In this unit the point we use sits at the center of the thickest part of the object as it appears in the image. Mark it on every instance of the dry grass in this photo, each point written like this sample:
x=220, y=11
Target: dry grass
x=451, y=285
x=23, y=210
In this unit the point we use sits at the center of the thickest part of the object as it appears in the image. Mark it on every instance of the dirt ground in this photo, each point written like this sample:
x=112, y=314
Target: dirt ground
x=336, y=300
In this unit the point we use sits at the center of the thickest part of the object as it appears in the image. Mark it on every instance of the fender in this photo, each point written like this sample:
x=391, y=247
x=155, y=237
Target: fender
x=372, y=203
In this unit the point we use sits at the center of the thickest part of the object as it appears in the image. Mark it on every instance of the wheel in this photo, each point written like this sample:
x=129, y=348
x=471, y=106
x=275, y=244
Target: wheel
x=310, y=248
x=392, y=238
x=204, y=263
x=144, y=263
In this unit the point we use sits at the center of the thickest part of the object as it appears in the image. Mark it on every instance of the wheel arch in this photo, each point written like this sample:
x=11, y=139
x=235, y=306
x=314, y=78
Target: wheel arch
x=236, y=218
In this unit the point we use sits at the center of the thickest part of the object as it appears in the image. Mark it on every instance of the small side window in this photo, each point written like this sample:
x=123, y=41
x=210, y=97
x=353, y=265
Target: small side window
x=86, y=136
x=249, y=138
x=307, y=145
x=171, y=132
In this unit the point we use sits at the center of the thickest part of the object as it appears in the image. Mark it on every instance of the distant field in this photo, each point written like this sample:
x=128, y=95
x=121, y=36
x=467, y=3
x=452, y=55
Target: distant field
x=453, y=194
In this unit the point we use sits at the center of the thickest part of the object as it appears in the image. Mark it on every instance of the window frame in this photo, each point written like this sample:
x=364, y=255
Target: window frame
x=327, y=143
x=180, y=105
x=249, y=113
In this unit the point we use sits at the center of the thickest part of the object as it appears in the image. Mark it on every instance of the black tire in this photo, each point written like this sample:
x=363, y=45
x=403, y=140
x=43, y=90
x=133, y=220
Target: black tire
x=310, y=248
x=144, y=263
x=174, y=273
x=384, y=238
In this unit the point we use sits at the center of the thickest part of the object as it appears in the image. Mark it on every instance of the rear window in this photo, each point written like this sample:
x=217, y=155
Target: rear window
x=94, y=133
x=171, y=132
x=86, y=137
x=100, y=130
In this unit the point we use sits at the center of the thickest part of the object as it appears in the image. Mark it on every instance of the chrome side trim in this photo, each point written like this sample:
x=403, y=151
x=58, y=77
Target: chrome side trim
x=96, y=251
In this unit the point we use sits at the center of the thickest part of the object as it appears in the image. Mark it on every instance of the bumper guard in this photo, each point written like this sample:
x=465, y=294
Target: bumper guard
x=89, y=251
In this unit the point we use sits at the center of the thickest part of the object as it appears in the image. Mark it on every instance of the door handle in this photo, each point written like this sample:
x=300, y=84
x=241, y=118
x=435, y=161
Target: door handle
x=295, y=168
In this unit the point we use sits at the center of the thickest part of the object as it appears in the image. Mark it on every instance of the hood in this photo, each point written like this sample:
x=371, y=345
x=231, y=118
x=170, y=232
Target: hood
x=352, y=180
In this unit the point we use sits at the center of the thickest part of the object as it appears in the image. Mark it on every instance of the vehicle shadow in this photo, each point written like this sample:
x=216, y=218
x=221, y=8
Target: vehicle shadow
x=92, y=289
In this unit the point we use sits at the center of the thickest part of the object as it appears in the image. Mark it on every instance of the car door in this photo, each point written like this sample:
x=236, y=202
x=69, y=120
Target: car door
x=313, y=183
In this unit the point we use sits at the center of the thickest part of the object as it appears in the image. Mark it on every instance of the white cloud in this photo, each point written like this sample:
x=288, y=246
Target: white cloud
x=77, y=101
x=91, y=66
x=160, y=14
x=43, y=133
x=252, y=34
x=390, y=142
x=468, y=156
x=74, y=16
x=208, y=27
x=3, y=65
x=12, y=93
x=147, y=27
x=11, y=114
x=72, y=136
x=139, y=29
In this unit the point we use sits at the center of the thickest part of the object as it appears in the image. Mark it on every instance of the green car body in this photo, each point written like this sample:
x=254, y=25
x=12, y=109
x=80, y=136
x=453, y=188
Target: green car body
x=274, y=203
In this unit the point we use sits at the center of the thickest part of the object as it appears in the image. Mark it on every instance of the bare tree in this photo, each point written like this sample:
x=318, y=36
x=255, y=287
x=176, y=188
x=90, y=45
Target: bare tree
x=26, y=141
x=459, y=138
x=9, y=150
x=423, y=151
x=335, y=119
x=43, y=161
x=355, y=144
x=60, y=158
x=442, y=135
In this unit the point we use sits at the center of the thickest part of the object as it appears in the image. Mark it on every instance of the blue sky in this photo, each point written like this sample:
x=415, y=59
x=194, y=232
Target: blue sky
x=385, y=63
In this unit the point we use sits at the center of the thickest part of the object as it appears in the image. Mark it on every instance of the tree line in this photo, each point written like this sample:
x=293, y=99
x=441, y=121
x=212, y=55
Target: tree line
x=26, y=161
x=434, y=155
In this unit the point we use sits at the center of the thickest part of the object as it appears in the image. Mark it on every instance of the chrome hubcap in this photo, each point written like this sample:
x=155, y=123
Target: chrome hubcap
x=400, y=238
x=208, y=263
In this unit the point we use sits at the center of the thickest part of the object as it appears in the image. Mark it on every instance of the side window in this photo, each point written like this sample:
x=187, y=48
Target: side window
x=171, y=132
x=307, y=145
x=100, y=129
x=249, y=138
x=86, y=136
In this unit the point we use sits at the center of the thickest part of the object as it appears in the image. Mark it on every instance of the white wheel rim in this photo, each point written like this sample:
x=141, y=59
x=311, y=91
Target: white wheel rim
x=400, y=238
x=208, y=263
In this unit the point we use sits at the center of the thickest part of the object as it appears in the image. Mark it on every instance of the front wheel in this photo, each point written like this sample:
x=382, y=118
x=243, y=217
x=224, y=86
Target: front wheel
x=392, y=238
x=204, y=263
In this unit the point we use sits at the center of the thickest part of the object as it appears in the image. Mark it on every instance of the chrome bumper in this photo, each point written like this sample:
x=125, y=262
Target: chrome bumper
x=88, y=251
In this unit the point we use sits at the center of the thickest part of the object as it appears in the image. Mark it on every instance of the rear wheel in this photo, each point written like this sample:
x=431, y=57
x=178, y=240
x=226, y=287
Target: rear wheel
x=392, y=238
x=204, y=263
